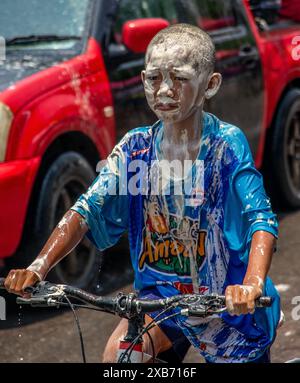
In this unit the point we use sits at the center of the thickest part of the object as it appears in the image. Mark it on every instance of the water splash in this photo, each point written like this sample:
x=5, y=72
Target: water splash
x=20, y=324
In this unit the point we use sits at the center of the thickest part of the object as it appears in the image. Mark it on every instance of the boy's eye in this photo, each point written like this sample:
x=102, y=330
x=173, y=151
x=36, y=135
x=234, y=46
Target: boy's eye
x=152, y=78
x=180, y=78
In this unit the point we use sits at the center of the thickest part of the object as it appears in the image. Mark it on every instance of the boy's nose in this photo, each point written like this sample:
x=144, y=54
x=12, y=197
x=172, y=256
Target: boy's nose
x=165, y=90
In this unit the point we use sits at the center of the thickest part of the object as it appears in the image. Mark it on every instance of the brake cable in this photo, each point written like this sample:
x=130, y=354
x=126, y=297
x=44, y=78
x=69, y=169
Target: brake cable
x=146, y=329
x=78, y=328
x=152, y=324
x=82, y=307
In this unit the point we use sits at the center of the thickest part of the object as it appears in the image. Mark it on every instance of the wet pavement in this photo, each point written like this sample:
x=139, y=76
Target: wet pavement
x=50, y=335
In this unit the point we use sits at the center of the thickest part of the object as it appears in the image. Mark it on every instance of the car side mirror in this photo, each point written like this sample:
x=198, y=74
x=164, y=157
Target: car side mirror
x=137, y=34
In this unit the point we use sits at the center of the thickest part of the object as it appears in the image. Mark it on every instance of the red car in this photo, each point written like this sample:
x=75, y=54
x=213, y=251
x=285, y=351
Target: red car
x=70, y=87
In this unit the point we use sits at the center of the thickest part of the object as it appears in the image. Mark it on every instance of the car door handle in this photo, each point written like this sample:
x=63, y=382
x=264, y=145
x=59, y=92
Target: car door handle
x=249, y=56
x=248, y=51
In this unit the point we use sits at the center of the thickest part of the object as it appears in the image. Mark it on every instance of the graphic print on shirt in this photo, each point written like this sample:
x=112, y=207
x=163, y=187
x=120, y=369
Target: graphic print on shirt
x=230, y=177
x=168, y=243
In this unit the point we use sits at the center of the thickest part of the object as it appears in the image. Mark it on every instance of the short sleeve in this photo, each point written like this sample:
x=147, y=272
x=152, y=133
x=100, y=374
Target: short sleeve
x=248, y=208
x=104, y=207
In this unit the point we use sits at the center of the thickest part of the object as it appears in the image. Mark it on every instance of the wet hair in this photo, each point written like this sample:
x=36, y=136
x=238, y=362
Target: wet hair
x=202, y=49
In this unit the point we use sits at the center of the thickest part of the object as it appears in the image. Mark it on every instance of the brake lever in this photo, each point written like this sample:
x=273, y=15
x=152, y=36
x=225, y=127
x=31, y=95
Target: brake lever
x=43, y=295
x=208, y=305
x=38, y=302
x=197, y=305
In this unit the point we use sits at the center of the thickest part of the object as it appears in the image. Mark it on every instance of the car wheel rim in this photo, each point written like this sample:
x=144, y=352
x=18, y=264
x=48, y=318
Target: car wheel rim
x=293, y=151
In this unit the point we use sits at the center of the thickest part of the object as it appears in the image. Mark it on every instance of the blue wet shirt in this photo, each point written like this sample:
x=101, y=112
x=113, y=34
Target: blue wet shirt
x=193, y=238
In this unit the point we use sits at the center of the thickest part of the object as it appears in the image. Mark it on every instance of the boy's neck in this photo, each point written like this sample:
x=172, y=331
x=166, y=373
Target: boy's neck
x=182, y=140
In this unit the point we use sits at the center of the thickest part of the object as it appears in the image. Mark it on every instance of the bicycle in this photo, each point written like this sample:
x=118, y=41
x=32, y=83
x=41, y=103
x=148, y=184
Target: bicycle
x=46, y=294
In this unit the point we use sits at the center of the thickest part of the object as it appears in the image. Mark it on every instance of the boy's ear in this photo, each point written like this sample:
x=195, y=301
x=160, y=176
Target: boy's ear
x=213, y=85
x=143, y=75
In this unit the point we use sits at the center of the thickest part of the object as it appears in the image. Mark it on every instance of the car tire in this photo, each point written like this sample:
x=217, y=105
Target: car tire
x=67, y=178
x=285, y=150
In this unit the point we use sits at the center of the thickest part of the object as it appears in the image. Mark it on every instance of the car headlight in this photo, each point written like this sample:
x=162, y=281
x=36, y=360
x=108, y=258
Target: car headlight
x=6, y=117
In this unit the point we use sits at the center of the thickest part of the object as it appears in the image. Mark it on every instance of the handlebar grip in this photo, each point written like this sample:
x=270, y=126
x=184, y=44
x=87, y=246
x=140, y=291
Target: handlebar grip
x=264, y=302
x=260, y=302
x=28, y=289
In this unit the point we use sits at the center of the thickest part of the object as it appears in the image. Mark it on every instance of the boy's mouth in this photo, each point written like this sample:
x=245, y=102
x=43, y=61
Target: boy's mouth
x=166, y=107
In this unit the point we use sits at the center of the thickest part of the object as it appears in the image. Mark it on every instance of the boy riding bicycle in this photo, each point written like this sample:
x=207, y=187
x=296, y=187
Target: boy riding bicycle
x=202, y=224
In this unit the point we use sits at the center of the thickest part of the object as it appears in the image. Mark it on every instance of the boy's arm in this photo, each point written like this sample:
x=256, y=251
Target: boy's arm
x=252, y=226
x=100, y=213
x=240, y=299
x=67, y=234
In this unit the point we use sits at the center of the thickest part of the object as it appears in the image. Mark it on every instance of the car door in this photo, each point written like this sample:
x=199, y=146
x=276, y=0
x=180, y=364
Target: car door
x=240, y=99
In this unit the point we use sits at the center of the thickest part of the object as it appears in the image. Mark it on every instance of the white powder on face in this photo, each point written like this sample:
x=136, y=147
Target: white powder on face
x=167, y=82
x=159, y=64
x=165, y=100
x=149, y=92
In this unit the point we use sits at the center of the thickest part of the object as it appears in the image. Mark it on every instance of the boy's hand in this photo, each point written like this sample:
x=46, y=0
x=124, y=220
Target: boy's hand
x=18, y=280
x=240, y=299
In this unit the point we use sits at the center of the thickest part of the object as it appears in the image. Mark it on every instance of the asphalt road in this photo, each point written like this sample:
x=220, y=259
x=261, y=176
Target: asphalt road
x=49, y=335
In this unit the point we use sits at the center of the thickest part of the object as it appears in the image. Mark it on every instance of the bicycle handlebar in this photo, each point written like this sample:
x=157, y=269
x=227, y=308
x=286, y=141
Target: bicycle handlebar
x=127, y=305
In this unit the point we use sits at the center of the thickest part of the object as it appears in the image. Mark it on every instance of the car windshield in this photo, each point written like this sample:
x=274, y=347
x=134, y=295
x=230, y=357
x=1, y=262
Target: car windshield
x=42, y=24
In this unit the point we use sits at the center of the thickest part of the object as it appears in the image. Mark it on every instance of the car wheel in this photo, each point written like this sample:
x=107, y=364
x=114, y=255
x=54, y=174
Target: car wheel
x=67, y=178
x=286, y=149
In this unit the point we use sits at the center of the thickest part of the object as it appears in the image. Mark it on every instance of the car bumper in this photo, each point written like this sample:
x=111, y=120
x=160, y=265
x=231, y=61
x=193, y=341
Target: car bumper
x=16, y=181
